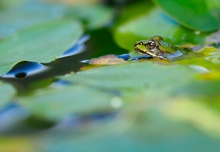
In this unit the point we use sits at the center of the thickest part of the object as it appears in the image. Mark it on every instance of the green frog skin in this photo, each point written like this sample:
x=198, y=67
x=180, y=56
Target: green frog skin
x=156, y=47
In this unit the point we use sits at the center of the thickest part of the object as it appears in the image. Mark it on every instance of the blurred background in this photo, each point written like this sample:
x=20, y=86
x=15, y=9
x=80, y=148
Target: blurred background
x=59, y=94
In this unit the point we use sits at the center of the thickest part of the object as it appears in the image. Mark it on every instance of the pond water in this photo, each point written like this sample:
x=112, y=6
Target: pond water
x=89, y=46
x=29, y=76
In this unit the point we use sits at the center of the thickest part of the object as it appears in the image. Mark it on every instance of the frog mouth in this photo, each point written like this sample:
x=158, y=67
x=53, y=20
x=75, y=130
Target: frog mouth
x=143, y=52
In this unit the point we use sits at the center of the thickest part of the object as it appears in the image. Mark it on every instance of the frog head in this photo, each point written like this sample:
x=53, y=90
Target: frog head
x=151, y=47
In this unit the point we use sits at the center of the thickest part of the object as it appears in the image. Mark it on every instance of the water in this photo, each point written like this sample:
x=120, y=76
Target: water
x=28, y=76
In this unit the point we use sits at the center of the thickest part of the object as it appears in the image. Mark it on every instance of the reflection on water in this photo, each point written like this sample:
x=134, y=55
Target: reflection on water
x=24, y=69
x=79, y=47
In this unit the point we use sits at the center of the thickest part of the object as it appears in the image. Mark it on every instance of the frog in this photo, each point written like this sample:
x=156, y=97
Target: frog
x=156, y=47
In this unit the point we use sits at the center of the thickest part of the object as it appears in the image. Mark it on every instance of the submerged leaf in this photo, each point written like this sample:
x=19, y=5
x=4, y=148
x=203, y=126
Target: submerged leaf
x=39, y=43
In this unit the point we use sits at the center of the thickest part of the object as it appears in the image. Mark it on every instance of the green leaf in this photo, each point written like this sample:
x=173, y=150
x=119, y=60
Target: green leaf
x=56, y=103
x=11, y=3
x=94, y=16
x=213, y=56
x=161, y=114
x=154, y=22
x=136, y=77
x=39, y=43
x=35, y=12
x=13, y=144
x=207, y=57
x=203, y=15
x=31, y=13
x=7, y=92
x=147, y=130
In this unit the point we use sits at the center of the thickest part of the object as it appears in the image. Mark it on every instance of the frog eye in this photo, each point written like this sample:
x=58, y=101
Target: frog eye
x=151, y=45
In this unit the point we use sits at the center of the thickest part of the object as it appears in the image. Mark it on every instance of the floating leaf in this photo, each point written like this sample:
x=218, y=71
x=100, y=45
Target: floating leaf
x=136, y=77
x=15, y=19
x=153, y=120
x=39, y=43
x=94, y=16
x=202, y=15
x=60, y=102
x=35, y=12
x=154, y=22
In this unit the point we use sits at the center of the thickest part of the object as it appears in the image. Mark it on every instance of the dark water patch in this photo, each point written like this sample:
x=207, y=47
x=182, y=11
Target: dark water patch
x=26, y=73
x=36, y=124
x=78, y=121
x=101, y=116
x=145, y=57
x=124, y=56
x=102, y=43
x=24, y=69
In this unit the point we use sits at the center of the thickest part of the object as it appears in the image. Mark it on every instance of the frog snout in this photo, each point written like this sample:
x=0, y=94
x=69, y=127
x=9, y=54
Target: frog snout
x=138, y=43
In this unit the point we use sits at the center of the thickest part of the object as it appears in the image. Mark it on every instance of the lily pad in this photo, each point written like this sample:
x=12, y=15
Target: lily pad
x=154, y=22
x=152, y=118
x=40, y=43
x=203, y=15
x=135, y=77
x=149, y=130
x=94, y=16
x=35, y=12
x=56, y=103
x=29, y=14
x=7, y=93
